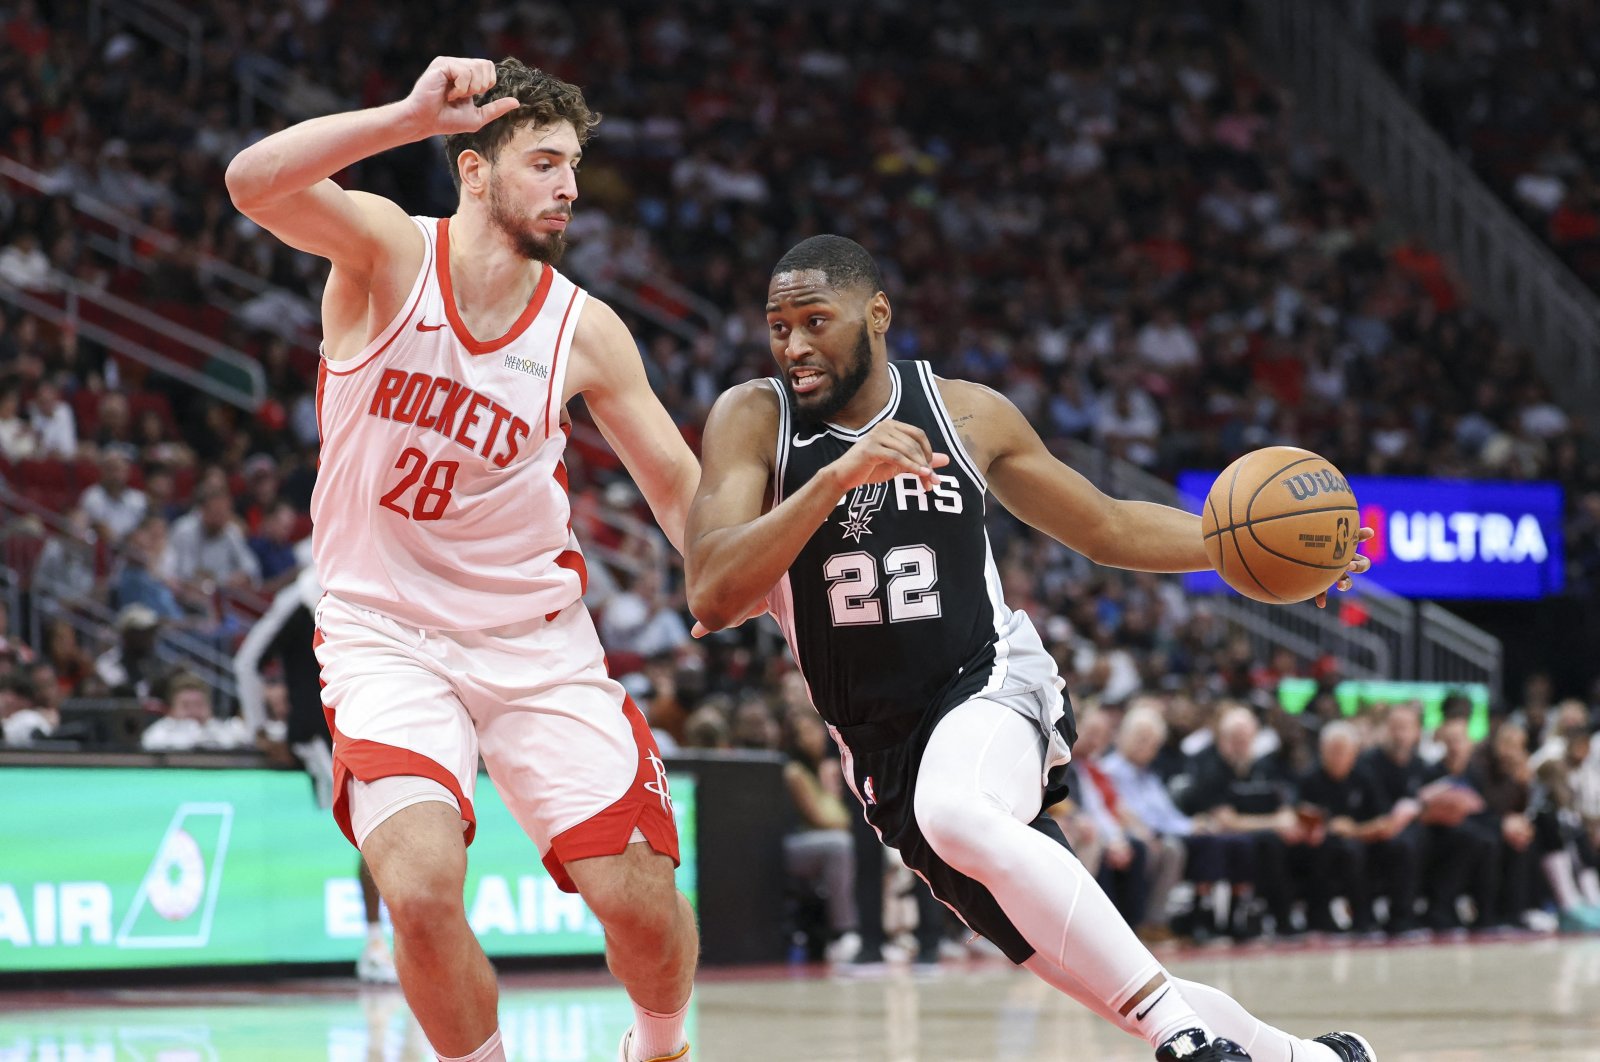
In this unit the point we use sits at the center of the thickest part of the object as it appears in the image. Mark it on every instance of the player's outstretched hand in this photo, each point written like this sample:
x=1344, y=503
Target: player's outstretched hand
x=441, y=100
x=888, y=450
x=1358, y=564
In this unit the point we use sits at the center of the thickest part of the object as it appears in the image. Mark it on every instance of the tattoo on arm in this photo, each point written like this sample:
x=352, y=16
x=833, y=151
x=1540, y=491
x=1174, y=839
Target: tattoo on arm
x=963, y=428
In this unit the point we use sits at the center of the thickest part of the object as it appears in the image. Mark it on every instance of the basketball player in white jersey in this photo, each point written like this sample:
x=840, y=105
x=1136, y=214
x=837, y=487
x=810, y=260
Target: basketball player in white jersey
x=452, y=624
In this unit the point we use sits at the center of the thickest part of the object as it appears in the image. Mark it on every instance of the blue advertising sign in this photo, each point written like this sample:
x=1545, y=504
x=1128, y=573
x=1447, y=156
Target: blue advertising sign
x=1443, y=538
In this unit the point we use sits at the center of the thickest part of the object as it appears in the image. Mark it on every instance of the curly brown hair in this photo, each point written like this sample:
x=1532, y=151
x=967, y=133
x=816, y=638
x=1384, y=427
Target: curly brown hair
x=545, y=99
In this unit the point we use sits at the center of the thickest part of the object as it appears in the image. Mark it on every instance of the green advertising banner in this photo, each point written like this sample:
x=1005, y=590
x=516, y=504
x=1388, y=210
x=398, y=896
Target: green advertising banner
x=538, y=1025
x=106, y=868
x=1354, y=695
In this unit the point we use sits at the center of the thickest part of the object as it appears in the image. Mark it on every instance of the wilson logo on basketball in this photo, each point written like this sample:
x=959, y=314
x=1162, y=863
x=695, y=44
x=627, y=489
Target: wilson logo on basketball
x=1310, y=484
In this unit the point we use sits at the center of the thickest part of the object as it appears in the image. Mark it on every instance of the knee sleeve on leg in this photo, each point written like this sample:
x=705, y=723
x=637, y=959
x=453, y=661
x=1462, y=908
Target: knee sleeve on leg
x=371, y=803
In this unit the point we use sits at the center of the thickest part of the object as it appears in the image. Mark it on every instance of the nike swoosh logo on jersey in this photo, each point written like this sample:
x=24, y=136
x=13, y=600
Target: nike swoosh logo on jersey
x=428, y=327
x=807, y=442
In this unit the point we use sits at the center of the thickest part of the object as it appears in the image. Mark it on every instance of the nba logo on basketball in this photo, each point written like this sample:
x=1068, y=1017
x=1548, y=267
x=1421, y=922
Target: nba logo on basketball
x=866, y=790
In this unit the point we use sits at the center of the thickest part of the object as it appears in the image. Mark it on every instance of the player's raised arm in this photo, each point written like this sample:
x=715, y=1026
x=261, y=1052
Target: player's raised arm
x=737, y=548
x=1047, y=494
x=607, y=371
x=283, y=181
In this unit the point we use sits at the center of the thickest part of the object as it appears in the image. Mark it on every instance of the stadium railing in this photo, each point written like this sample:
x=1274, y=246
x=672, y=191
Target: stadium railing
x=1512, y=274
x=1453, y=650
x=163, y=21
x=116, y=237
x=33, y=606
x=197, y=360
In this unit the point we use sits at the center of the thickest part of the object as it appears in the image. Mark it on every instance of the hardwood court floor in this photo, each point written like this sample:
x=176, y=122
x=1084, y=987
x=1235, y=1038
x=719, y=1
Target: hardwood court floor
x=1532, y=1000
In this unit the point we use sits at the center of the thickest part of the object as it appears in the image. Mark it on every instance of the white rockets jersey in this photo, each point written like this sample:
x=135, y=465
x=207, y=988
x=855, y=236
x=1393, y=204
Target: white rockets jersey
x=442, y=498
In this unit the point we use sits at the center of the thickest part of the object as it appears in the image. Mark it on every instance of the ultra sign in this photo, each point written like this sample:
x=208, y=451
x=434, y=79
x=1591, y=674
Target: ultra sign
x=1442, y=538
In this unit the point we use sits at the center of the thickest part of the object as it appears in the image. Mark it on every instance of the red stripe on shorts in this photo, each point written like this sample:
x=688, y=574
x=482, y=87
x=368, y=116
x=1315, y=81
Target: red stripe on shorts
x=646, y=806
x=368, y=761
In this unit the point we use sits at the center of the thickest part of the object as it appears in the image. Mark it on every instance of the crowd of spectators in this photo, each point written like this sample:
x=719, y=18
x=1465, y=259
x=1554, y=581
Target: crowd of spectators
x=1272, y=825
x=1513, y=86
x=1110, y=216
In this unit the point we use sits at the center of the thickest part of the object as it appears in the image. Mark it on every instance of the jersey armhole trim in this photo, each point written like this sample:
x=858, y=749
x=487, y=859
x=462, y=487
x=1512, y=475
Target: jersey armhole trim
x=392, y=332
x=958, y=450
x=559, y=361
x=781, y=457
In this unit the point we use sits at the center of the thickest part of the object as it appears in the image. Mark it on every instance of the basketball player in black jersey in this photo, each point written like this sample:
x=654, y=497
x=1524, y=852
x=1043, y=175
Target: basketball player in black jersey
x=846, y=496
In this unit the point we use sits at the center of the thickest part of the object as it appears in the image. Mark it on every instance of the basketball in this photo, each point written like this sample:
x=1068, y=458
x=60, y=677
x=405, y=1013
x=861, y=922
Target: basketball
x=1280, y=525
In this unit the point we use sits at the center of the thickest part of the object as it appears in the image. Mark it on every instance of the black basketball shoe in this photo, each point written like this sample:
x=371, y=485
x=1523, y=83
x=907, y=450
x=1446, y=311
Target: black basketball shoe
x=1191, y=1045
x=1348, y=1046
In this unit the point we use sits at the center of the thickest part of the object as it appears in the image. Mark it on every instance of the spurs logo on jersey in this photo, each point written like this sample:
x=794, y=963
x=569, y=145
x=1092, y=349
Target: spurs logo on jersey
x=441, y=499
x=867, y=499
x=864, y=501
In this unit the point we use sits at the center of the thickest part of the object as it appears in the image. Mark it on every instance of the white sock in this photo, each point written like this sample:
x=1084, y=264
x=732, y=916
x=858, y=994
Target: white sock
x=977, y=789
x=1558, y=871
x=657, y=1035
x=1218, y=1011
x=1261, y=1041
x=491, y=1050
x=1187, y=1018
x=375, y=935
x=1589, y=885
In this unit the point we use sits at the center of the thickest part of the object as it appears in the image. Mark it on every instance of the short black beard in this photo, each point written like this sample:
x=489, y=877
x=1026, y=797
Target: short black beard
x=811, y=413
x=534, y=248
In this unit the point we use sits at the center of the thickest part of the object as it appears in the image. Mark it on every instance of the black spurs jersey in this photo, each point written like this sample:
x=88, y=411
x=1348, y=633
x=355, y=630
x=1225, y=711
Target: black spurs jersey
x=894, y=605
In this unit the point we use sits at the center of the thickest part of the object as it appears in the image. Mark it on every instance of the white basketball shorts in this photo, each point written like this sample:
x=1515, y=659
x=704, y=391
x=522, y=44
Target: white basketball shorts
x=566, y=748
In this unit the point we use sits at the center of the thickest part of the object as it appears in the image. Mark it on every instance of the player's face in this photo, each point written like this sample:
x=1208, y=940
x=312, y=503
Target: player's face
x=823, y=347
x=532, y=184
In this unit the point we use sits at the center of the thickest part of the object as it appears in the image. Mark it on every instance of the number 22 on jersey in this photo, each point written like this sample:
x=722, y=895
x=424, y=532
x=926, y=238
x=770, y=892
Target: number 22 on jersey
x=853, y=586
